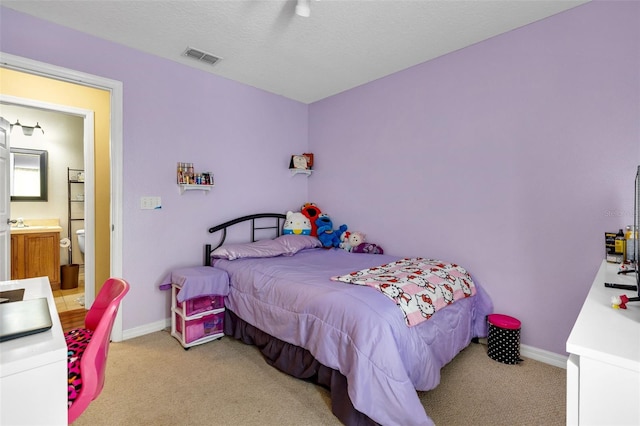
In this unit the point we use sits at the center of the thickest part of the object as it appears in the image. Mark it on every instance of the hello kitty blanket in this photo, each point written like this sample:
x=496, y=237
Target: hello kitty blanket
x=419, y=286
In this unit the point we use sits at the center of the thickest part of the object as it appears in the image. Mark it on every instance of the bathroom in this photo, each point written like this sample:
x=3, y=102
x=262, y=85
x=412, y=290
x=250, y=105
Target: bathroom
x=61, y=135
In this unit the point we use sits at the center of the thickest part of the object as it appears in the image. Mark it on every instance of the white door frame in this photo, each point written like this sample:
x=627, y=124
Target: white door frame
x=116, y=165
x=5, y=201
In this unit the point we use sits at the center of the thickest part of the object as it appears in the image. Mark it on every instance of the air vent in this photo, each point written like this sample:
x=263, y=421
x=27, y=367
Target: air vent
x=201, y=56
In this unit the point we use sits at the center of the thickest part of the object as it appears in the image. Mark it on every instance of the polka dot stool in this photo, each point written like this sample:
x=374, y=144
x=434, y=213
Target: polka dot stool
x=504, y=339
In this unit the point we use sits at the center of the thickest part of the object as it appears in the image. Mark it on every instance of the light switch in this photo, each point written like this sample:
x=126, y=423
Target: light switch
x=150, y=203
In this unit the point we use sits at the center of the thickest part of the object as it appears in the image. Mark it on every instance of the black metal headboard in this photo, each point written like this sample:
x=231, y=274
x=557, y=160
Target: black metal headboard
x=279, y=221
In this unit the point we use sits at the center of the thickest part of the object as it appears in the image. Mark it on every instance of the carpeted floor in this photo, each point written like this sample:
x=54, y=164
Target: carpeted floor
x=152, y=380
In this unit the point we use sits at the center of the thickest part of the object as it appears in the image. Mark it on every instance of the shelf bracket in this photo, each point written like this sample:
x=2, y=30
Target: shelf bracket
x=300, y=172
x=188, y=187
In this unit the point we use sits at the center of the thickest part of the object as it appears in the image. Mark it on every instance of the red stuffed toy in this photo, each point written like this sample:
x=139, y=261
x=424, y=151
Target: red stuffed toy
x=619, y=302
x=311, y=211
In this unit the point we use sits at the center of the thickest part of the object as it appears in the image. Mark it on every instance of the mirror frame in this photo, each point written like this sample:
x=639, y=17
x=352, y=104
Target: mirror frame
x=43, y=174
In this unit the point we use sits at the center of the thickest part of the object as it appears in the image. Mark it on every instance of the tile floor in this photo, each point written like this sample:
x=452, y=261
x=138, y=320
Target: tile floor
x=71, y=299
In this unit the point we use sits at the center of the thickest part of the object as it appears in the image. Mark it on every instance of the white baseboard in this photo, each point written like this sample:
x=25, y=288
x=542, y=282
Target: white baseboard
x=541, y=355
x=146, y=329
x=526, y=351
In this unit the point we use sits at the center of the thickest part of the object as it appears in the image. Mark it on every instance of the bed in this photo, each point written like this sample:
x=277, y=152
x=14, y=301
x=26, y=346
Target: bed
x=349, y=338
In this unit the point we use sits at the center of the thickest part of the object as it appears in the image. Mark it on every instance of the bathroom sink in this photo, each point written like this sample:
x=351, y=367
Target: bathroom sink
x=32, y=229
x=32, y=226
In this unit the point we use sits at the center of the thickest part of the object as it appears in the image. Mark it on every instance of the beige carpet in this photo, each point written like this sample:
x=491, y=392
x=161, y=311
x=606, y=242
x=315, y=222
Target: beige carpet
x=152, y=380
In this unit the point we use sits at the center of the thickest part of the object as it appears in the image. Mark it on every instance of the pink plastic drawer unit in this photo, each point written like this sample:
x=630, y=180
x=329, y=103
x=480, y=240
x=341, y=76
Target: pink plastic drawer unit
x=199, y=304
x=194, y=329
x=199, y=318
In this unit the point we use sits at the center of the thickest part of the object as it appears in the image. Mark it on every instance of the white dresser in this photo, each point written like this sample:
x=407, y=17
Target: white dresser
x=33, y=369
x=603, y=370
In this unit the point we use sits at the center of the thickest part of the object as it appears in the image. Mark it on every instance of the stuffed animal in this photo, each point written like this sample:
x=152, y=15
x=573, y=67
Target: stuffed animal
x=311, y=211
x=328, y=236
x=350, y=240
x=344, y=240
x=355, y=239
x=297, y=224
x=619, y=302
x=368, y=248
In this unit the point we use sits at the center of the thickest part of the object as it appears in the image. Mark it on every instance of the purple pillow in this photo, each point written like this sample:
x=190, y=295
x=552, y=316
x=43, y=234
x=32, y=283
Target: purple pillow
x=263, y=248
x=294, y=243
x=287, y=245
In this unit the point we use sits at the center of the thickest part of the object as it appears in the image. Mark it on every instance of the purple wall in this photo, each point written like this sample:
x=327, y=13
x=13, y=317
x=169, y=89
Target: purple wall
x=175, y=113
x=511, y=157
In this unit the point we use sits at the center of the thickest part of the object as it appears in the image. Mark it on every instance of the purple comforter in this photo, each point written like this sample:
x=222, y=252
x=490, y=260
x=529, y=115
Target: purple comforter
x=354, y=329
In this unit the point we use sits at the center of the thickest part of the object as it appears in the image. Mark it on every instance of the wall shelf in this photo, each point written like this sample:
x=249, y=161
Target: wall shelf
x=301, y=172
x=189, y=187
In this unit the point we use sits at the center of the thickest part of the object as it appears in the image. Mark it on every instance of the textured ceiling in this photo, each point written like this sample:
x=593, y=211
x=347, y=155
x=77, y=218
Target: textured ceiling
x=343, y=44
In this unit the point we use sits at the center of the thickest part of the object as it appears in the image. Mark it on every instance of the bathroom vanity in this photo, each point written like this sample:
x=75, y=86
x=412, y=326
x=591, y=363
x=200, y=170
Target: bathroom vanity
x=35, y=251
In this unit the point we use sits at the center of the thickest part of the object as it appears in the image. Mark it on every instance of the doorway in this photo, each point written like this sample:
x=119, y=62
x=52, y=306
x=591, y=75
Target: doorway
x=108, y=187
x=61, y=135
x=62, y=153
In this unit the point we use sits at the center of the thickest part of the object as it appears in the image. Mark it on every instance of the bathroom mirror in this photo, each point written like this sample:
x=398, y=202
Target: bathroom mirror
x=28, y=174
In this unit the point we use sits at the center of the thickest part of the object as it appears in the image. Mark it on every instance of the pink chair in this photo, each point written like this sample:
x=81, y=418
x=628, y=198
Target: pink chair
x=93, y=361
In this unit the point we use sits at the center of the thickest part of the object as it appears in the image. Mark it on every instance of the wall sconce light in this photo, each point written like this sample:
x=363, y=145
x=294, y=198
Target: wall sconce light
x=303, y=9
x=27, y=130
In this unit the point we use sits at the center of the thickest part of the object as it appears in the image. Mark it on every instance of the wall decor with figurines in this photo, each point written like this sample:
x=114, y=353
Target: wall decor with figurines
x=188, y=179
x=301, y=164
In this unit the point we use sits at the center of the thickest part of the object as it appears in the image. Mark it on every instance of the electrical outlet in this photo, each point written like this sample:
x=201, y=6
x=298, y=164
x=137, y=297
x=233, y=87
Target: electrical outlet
x=150, y=203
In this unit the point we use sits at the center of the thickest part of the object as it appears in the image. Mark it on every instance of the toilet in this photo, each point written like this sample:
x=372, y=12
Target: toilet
x=80, y=234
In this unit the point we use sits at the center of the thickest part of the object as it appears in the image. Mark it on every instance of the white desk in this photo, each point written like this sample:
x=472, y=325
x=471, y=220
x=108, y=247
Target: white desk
x=33, y=369
x=603, y=370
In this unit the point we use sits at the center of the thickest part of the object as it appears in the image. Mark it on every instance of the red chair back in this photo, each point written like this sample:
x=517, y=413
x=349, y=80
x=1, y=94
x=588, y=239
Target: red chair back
x=93, y=363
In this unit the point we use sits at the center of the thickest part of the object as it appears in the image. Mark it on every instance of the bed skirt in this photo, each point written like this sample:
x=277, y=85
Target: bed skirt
x=298, y=362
